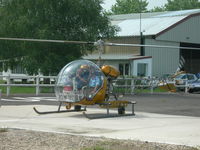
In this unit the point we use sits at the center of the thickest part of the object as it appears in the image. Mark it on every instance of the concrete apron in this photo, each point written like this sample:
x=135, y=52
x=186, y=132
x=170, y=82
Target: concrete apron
x=181, y=130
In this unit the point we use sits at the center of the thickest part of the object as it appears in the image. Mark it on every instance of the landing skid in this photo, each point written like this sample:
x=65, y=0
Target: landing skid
x=95, y=116
x=121, y=113
x=58, y=111
x=76, y=109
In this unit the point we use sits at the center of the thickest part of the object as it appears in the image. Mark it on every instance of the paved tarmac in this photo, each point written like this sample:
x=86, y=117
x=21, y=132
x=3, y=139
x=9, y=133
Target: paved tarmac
x=171, y=104
x=164, y=118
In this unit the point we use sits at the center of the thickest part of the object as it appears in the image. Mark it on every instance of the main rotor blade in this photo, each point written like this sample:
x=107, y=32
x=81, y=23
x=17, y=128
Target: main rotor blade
x=96, y=43
x=155, y=46
x=48, y=41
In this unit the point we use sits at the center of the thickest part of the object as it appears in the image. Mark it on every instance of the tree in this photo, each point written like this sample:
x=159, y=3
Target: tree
x=81, y=20
x=181, y=5
x=158, y=9
x=129, y=6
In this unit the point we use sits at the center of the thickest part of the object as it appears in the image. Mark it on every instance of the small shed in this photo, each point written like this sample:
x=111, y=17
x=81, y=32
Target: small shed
x=127, y=64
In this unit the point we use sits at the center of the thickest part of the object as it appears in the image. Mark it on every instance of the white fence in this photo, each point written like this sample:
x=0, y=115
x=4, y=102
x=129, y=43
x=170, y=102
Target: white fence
x=126, y=85
x=137, y=84
x=34, y=81
x=132, y=85
x=0, y=97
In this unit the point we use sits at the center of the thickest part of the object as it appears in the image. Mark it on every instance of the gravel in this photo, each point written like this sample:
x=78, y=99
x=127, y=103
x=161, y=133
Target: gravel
x=13, y=139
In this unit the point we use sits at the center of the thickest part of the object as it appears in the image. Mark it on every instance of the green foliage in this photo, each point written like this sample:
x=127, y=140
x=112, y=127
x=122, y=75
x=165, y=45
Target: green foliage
x=47, y=89
x=129, y=6
x=27, y=90
x=173, y=5
x=157, y=9
x=17, y=90
x=48, y=19
x=2, y=130
x=182, y=4
x=124, y=91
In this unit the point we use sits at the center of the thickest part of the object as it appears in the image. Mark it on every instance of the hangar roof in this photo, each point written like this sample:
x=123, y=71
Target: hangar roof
x=150, y=23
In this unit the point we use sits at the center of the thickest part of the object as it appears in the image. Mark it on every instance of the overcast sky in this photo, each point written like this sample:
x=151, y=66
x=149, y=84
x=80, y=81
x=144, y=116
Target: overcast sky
x=152, y=3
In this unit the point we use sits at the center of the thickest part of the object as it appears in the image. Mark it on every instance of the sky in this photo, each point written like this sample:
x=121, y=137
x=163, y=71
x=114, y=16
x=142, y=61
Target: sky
x=152, y=3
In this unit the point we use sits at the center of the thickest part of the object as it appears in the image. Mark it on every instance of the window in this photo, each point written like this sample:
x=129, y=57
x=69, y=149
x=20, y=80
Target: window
x=184, y=77
x=191, y=77
x=141, y=69
x=121, y=69
x=124, y=69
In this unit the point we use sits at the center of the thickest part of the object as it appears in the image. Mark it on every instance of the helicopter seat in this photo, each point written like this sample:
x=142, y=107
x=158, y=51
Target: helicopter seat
x=68, y=88
x=71, y=95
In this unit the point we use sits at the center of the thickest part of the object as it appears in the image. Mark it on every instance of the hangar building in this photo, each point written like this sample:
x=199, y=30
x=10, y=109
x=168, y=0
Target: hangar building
x=175, y=28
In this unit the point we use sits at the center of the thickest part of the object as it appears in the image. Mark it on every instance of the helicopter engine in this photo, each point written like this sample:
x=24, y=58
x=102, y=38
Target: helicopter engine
x=110, y=71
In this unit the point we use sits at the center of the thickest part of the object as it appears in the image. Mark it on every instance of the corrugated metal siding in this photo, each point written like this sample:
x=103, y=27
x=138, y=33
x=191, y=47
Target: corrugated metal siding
x=123, y=49
x=164, y=60
x=115, y=63
x=187, y=31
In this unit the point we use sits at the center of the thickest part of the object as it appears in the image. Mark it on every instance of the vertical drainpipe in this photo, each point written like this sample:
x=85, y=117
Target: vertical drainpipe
x=141, y=34
x=142, y=48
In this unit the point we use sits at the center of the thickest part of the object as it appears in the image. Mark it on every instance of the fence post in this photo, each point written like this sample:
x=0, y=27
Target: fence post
x=37, y=85
x=126, y=86
x=0, y=97
x=132, y=86
x=186, y=86
x=8, y=85
x=151, y=85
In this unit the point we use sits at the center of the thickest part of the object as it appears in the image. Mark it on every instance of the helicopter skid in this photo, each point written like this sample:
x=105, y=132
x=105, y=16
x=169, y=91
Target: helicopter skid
x=58, y=111
x=93, y=116
x=121, y=112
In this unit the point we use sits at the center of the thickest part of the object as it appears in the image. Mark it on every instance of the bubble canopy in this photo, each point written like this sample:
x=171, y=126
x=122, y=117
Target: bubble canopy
x=78, y=80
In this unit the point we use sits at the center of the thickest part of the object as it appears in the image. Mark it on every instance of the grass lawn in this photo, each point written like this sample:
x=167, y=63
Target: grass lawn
x=137, y=90
x=32, y=90
x=27, y=90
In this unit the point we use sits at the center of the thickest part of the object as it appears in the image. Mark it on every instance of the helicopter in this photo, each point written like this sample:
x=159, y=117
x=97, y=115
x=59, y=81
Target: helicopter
x=83, y=83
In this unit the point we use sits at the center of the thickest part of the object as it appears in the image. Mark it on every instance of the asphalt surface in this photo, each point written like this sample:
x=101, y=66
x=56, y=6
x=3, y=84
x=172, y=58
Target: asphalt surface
x=171, y=104
x=166, y=103
x=163, y=118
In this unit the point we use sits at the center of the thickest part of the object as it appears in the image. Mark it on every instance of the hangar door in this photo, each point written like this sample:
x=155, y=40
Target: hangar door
x=190, y=58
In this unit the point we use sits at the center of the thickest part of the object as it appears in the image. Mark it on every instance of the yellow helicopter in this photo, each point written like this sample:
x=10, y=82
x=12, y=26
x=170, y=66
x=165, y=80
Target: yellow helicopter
x=84, y=83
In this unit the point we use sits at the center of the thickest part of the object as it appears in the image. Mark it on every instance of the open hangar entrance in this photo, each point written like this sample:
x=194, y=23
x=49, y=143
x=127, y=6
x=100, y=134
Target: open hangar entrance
x=190, y=58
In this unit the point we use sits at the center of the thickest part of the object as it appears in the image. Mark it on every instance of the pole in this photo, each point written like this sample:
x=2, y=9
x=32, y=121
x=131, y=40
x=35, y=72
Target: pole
x=8, y=85
x=132, y=86
x=141, y=34
x=37, y=85
x=0, y=97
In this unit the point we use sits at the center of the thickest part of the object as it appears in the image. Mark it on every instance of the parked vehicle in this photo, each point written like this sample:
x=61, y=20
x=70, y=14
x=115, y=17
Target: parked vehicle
x=194, y=86
x=198, y=75
x=182, y=79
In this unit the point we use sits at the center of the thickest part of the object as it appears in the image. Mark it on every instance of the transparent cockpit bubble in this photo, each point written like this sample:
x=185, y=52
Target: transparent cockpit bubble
x=78, y=80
